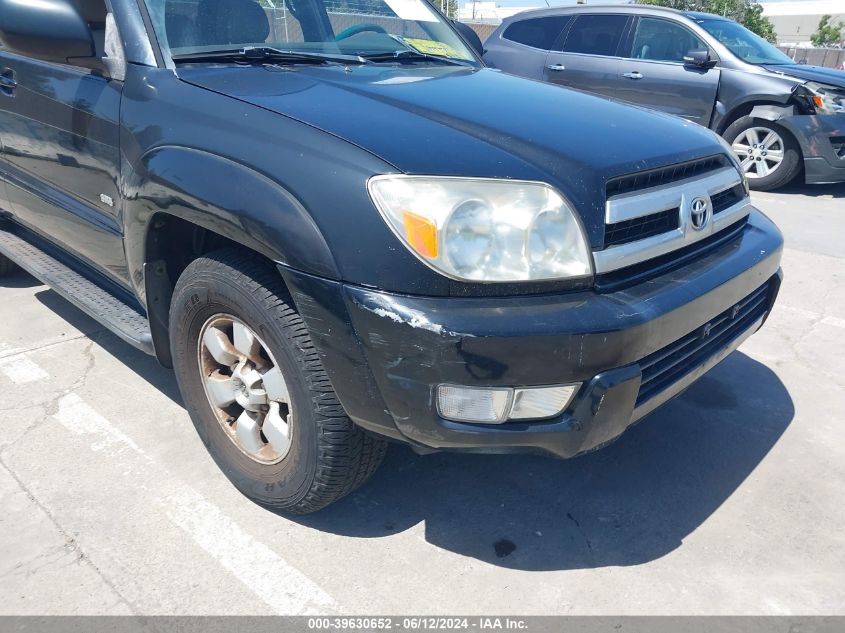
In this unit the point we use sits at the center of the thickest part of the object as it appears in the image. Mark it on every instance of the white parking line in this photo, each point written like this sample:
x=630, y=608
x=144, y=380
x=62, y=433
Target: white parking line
x=813, y=316
x=79, y=418
x=6, y=351
x=834, y=321
x=20, y=370
x=282, y=587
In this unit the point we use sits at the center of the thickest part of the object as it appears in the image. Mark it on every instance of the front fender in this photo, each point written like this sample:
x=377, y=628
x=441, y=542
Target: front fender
x=772, y=112
x=226, y=198
x=740, y=88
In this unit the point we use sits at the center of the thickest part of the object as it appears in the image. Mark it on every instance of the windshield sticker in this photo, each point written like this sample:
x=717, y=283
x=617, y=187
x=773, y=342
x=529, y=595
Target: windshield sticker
x=415, y=10
x=431, y=47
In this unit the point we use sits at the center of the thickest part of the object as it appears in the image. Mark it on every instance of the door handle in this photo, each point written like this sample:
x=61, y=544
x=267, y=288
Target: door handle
x=633, y=75
x=8, y=83
x=556, y=67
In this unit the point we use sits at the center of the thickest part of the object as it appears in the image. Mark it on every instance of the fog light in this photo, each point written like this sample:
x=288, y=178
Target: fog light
x=540, y=402
x=498, y=404
x=471, y=404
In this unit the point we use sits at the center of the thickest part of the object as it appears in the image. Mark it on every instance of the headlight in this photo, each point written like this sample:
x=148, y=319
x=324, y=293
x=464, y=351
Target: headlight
x=484, y=230
x=826, y=99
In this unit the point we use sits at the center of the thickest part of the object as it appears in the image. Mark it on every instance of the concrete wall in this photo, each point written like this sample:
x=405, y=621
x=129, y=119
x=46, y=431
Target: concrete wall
x=829, y=57
x=483, y=29
x=794, y=29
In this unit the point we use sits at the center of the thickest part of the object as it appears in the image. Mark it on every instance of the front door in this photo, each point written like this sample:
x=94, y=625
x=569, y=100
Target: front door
x=60, y=129
x=653, y=73
x=587, y=57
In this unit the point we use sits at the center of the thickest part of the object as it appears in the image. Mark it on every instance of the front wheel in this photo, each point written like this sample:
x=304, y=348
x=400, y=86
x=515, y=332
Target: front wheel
x=768, y=153
x=257, y=391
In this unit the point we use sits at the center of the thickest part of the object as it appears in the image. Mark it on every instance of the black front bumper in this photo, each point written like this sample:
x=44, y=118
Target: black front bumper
x=821, y=138
x=632, y=349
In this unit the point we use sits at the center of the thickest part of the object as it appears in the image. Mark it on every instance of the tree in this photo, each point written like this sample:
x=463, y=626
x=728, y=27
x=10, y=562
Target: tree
x=449, y=7
x=746, y=12
x=827, y=33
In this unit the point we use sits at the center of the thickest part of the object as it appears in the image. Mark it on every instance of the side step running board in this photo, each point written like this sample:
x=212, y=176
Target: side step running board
x=121, y=319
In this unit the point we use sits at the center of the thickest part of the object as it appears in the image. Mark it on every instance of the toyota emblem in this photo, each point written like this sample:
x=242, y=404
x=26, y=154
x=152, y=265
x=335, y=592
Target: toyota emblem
x=699, y=213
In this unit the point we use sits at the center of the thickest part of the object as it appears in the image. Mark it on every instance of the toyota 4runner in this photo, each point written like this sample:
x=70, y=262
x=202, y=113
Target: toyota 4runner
x=339, y=229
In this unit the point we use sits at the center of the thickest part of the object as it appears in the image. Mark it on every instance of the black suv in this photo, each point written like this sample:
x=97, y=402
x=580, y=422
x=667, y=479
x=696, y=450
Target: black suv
x=295, y=209
x=779, y=116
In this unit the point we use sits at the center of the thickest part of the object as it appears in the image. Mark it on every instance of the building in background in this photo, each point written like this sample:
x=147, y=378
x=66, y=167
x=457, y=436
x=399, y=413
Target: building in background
x=488, y=12
x=796, y=20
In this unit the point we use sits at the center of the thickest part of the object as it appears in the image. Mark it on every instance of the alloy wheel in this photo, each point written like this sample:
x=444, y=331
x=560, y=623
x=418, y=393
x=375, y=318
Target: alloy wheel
x=245, y=388
x=760, y=150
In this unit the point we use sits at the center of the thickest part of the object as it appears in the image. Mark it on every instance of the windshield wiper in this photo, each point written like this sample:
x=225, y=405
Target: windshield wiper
x=267, y=54
x=410, y=55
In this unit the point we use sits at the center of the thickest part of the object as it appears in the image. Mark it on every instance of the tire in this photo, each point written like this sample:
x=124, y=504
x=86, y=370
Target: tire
x=327, y=456
x=7, y=266
x=760, y=160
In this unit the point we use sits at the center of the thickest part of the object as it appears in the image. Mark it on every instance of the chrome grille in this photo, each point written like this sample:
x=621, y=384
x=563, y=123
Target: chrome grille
x=726, y=199
x=664, y=175
x=645, y=223
x=641, y=228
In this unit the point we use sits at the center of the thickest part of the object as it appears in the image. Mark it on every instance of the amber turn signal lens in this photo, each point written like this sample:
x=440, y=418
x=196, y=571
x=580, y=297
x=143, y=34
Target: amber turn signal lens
x=421, y=234
x=818, y=101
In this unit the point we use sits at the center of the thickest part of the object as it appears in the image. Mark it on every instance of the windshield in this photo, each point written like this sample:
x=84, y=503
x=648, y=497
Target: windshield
x=749, y=47
x=332, y=27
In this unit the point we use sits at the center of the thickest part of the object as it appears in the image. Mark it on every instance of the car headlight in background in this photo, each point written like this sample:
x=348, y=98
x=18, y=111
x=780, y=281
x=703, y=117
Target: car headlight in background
x=826, y=99
x=484, y=229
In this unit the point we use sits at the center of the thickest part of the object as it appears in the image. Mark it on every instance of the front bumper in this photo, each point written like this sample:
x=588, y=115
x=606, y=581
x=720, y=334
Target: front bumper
x=386, y=353
x=821, y=138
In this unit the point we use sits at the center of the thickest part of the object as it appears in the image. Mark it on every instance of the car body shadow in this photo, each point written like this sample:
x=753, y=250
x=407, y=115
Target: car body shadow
x=834, y=190
x=627, y=504
x=143, y=364
x=19, y=279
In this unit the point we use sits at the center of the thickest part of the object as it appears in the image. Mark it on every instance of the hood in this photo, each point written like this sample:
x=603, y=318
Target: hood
x=820, y=74
x=450, y=120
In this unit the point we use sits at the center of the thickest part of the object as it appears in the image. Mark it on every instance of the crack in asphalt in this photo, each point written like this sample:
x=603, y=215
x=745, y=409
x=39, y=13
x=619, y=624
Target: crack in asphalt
x=14, y=351
x=71, y=544
x=51, y=405
x=581, y=531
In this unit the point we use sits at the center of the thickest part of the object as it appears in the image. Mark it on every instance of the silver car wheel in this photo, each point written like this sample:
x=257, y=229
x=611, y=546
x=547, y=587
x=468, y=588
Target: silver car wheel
x=245, y=388
x=760, y=151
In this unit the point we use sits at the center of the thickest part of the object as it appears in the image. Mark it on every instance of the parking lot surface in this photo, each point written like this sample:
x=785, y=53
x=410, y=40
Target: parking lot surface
x=729, y=500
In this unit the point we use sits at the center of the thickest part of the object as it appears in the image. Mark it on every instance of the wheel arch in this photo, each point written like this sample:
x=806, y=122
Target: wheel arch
x=183, y=203
x=767, y=107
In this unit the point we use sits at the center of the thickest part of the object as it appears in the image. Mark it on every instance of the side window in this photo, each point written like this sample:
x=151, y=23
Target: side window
x=596, y=34
x=537, y=32
x=663, y=40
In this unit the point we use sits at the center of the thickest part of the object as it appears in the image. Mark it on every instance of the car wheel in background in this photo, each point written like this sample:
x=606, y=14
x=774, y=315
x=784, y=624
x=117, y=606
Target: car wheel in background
x=767, y=152
x=257, y=391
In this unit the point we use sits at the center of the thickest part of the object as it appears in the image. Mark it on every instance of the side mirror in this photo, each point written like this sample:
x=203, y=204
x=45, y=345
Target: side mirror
x=470, y=36
x=49, y=30
x=698, y=57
